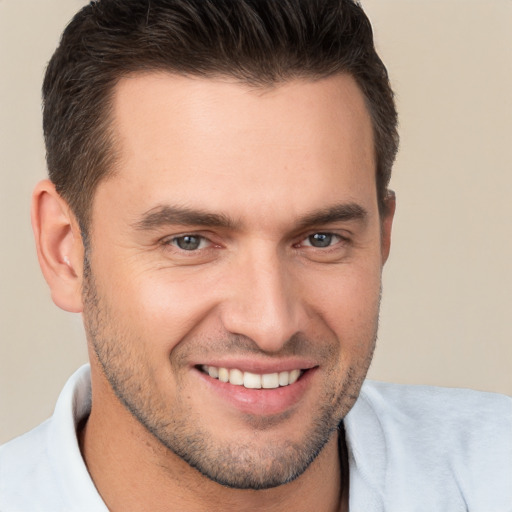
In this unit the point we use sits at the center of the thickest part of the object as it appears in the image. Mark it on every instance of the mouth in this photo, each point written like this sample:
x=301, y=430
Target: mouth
x=250, y=380
x=263, y=391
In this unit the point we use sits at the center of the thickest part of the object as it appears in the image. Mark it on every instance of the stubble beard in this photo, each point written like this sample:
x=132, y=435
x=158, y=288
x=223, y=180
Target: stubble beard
x=244, y=465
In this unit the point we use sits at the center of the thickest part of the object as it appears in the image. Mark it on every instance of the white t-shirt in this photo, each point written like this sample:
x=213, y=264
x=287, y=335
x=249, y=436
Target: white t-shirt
x=411, y=449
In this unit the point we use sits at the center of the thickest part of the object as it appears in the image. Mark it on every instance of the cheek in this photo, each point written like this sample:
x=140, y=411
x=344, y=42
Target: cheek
x=160, y=308
x=347, y=300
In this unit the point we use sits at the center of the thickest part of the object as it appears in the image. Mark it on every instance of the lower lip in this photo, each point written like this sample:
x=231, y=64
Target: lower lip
x=261, y=402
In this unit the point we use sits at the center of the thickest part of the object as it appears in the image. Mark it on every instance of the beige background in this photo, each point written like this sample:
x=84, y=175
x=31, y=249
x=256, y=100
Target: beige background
x=448, y=286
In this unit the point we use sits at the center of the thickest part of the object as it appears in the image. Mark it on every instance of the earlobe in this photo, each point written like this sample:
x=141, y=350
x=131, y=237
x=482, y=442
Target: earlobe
x=59, y=246
x=387, y=223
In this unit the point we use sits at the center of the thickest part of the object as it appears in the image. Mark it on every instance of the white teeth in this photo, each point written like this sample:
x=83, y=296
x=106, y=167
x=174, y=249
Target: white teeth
x=270, y=380
x=236, y=377
x=294, y=375
x=284, y=378
x=253, y=380
x=223, y=374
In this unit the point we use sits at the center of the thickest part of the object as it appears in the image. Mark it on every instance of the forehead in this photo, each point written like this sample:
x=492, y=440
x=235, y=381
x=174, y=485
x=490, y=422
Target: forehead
x=195, y=141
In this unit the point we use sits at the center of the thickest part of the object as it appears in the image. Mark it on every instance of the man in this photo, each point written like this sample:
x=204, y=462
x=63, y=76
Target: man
x=218, y=211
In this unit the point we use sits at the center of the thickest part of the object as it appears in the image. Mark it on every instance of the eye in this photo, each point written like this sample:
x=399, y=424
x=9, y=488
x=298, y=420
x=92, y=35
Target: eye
x=189, y=242
x=321, y=240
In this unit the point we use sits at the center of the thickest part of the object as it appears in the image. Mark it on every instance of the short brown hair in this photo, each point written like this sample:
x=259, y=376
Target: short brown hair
x=261, y=42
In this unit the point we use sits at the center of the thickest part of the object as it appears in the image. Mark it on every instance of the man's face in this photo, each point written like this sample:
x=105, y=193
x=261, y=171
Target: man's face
x=240, y=240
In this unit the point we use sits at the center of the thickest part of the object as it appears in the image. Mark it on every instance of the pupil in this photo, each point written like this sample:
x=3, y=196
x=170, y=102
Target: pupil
x=188, y=243
x=320, y=240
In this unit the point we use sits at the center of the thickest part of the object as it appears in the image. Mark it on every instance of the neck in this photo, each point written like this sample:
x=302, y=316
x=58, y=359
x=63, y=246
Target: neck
x=133, y=471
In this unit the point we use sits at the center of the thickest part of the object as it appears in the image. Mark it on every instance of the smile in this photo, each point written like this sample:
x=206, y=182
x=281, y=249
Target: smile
x=253, y=380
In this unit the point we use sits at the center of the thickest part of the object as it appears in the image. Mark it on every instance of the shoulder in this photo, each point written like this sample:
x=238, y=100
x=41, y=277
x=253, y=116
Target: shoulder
x=456, y=441
x=43, y=470
x=25, y=469
x=456, y=422
x=431, y=404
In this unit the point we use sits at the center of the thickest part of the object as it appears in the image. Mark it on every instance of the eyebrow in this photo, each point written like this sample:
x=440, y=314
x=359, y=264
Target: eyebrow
x=343, y=212
x=166, y=215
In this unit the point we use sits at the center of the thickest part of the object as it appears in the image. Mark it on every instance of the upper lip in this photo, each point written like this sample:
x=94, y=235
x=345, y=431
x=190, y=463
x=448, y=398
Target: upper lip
x=260, y=367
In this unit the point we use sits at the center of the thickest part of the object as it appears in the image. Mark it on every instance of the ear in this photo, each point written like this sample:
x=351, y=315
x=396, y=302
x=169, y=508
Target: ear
x=387, y=223
x=59, y=246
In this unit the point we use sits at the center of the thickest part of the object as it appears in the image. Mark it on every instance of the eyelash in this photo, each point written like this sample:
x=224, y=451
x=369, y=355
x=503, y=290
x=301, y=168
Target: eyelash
x=173, y=242
x=339, y=239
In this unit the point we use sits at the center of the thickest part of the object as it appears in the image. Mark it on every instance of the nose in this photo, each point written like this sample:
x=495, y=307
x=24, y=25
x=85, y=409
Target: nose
x=264, y=304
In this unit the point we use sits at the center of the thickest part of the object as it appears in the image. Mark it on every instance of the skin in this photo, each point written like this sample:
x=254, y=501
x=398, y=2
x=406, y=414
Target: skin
x=271, y=168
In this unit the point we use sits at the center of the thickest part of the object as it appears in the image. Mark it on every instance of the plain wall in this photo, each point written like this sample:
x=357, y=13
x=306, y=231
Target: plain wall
x=447, y=297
